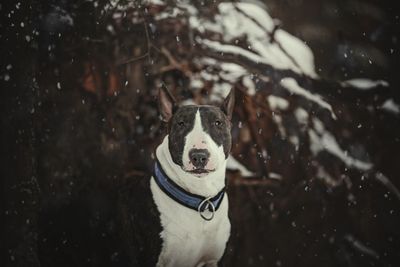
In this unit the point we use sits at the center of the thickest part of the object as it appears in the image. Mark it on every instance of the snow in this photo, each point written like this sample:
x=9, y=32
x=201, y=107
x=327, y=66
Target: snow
x=226, y=48
x=57, y=19
x=208, y=76
x=233, y=164
x=386, y=182
x=110, y=29
x=220, y=91
x=326, y=177
x=251, y=21
x=276, y=102
x=361, y=247
x=364, y=84
x=292, y=86
x=238, y=20
x=278, y=121
x=209, y=61
x=231, y=71
x=391, y=106
x=294, y=139
x=249, y=84
x=301, y=116
x=196, y=83
x=155, y=2
x=225, y=72
x=322, y=140
x=275, y=176
x=301, y=53
x=187, y=102
x=172, y=13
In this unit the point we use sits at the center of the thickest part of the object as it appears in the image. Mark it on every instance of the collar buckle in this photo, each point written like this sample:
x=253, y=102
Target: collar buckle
x=206, y=209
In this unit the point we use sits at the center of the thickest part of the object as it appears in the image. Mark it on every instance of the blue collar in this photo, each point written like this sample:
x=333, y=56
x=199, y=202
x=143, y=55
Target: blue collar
x=187, y=199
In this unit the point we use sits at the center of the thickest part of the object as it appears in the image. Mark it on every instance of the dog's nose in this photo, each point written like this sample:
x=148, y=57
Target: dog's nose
x=199, y=157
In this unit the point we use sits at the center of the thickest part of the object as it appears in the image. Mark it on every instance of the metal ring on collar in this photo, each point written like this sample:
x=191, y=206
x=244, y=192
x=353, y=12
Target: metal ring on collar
x=208, y=203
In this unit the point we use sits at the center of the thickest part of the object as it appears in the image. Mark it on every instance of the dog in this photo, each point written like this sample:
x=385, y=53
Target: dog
x=188, y=185
x=176, y=217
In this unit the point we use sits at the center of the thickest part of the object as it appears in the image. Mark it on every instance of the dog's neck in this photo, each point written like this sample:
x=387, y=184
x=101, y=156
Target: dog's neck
x=206, y=186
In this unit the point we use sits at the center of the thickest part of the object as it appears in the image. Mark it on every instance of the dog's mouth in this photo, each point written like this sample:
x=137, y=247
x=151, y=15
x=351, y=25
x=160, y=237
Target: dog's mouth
x=199, y=172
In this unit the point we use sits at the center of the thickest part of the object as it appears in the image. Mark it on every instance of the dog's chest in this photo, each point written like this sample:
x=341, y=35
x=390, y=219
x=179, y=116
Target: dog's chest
x=189, y=240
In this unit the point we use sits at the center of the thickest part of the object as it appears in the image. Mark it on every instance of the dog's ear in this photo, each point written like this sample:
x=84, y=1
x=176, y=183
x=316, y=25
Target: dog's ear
x=166, y=103
x=228, y=104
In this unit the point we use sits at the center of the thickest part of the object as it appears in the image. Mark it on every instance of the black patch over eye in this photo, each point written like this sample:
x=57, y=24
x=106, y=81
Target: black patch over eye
x=216, y=124
x=182, y=123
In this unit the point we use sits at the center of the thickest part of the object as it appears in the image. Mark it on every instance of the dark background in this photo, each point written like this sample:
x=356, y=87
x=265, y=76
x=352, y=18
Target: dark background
x=79, y=113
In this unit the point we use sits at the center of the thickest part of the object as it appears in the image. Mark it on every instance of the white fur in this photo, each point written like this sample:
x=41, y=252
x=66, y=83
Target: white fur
x=188, y=239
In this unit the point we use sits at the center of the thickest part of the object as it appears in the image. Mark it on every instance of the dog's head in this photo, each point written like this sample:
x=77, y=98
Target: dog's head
x=199, y=136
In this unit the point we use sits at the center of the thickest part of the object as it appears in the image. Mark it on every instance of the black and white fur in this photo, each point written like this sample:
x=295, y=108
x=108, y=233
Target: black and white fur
x=131, y=221
x=188, y=239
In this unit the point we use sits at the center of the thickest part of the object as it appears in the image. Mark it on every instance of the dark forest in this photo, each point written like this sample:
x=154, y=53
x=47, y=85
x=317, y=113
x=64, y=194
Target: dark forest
x=313, y=175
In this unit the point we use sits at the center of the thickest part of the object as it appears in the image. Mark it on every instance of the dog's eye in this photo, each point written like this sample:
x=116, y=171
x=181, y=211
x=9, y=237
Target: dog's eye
x=181, y=123
x=218, y=123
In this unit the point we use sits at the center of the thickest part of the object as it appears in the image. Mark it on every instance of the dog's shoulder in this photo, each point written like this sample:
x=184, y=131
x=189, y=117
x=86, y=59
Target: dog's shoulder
x=134, y=194
x=139, y=220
